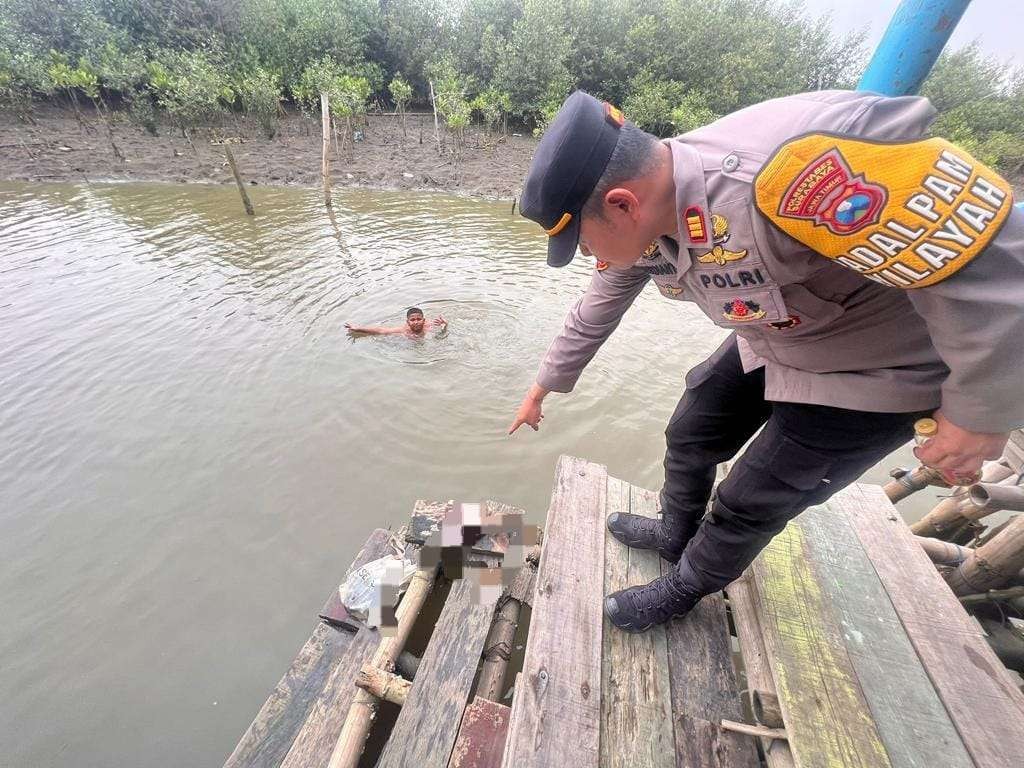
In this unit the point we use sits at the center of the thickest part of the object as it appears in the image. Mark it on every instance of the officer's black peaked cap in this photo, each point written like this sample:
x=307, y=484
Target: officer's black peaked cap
x=568, y=163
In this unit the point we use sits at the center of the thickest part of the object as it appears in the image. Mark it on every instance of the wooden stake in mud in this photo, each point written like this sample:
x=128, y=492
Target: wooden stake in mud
x=433, y=103
x=325, y=116
x=238, y=180
x=352, y=740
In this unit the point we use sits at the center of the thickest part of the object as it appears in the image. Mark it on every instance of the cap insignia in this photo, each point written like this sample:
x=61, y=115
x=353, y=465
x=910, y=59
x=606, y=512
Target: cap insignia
x=562, y=223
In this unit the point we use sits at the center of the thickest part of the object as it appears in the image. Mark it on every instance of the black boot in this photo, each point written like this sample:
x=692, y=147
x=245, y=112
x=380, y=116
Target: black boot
x=666, y=536
x=639, y=608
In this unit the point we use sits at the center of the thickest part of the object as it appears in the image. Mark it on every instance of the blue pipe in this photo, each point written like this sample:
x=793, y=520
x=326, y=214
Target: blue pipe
x=913, y=41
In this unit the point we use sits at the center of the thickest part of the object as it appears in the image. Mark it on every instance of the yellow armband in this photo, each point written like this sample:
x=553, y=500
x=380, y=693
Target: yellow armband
x=903, y=214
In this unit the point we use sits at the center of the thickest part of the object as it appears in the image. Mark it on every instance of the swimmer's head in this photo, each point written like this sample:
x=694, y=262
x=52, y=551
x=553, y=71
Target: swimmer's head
x=414, y=319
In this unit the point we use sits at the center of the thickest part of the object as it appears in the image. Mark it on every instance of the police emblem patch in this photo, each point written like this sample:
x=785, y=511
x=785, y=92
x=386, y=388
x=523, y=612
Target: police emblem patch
x=741, y=310
x=929, y=209
x=828, y=193
x=719, y=235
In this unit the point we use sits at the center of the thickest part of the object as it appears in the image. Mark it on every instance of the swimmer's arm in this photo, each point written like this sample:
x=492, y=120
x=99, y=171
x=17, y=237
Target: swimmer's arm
x=373, y=330
x=441, y=323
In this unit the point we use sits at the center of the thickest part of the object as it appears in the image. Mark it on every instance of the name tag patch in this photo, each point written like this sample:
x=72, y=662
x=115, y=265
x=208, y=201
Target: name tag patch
x=905, y=215
x=733, y=278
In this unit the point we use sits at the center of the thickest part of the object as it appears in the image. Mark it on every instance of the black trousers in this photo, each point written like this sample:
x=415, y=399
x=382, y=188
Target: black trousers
x=804, y=454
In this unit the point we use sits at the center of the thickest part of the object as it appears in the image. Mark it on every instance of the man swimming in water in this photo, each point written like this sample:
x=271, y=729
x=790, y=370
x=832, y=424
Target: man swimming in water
x=415, y=326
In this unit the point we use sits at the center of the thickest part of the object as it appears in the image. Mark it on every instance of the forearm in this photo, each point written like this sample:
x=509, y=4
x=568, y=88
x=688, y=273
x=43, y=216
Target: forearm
x=590, y=322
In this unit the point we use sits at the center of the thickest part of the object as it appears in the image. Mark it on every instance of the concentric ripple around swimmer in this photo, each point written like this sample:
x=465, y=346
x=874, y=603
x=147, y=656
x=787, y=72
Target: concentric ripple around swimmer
x=193, y=449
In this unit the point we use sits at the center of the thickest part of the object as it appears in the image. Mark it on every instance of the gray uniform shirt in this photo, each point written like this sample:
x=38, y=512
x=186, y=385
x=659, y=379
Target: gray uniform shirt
x=823, y=333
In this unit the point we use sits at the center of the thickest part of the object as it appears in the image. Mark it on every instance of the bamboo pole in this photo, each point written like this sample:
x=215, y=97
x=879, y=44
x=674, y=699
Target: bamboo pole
x=951, y=513
x=905, y=483
x=238, y=180
x=325, y=118
x=755, y=660
x=755, y=730
x=386, y=686
x=993, y=564
x=992, y=497
x=363, y=710
x=993, y=595
x=943, y=552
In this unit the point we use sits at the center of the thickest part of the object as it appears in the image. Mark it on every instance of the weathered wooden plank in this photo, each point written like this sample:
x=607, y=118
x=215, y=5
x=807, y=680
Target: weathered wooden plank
x=703, y=686
x=315, y=741
x=915, y=728
x=272, y=732
x=425, y=731
x=557, y=712
x=828, y=720
x=482, y=735
x=636, y=710
x=984, y=704
x=756, y=663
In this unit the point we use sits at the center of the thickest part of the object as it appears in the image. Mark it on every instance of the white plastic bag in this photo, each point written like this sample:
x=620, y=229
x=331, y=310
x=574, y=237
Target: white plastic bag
x=361, y=593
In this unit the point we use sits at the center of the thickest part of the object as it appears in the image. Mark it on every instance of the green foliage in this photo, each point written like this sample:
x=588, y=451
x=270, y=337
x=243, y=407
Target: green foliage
x=450, y=95
x=347, y=93
x=259, y=90
x=672, y=65
x=400, y=91
x=981, y=107
x=190, y=86
x=691, y=113
x=650, y=103
x=493, y=106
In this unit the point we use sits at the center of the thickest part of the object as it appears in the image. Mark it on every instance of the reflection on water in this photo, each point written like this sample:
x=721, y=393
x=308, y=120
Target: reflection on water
x=194, y=449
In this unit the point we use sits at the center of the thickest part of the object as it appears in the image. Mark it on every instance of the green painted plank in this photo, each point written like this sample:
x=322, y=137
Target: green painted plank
x=827, y=719
x=911, y=719
x=980, y=695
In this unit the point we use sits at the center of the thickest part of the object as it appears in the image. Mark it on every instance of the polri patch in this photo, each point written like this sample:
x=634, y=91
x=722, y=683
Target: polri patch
x=904, y=214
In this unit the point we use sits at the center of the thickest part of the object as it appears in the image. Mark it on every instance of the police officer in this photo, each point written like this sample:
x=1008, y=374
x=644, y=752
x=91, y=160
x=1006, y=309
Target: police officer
x=869, y=277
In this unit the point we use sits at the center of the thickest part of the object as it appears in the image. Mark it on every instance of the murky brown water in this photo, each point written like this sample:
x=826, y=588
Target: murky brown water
x=193, y=451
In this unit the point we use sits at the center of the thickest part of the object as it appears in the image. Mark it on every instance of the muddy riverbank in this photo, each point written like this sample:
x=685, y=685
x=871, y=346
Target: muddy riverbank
x=58, y=147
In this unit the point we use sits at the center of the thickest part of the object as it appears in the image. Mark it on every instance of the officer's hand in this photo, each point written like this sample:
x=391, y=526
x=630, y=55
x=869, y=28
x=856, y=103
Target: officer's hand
x=957, y=451
x=529, y=413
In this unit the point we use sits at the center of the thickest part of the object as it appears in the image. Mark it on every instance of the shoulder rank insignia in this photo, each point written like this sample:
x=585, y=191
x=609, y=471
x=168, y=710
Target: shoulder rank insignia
x=741, y=310
x=904, y=214
x=720, y=234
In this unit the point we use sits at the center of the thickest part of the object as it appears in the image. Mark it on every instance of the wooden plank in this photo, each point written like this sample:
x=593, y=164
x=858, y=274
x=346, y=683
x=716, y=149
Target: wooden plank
x=425, y=731
x=482, y=735
x=270, y=736
x=557, y=709
x=979, y=694
x=913, y=723
x=828, y=720
x=315, y=741
x=703, y=687
x=636, y=709
x=756, y=663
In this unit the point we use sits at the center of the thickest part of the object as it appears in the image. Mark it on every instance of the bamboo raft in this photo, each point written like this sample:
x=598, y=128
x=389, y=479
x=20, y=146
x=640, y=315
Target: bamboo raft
x=843, y=645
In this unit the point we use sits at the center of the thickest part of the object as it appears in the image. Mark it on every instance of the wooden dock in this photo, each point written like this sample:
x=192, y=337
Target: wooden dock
x=852, y=651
